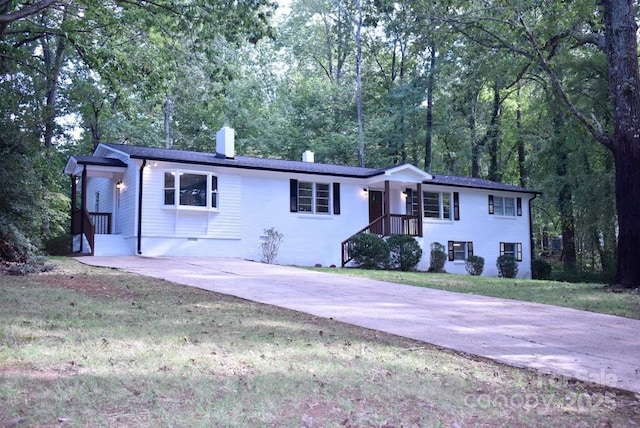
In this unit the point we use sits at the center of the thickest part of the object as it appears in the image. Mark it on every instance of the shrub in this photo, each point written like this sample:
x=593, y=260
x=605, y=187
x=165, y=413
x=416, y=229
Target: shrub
x=405, y=252
x=34, y=264
x=437, y=258
x=270, y=244
x=474, y=265
x=369, y=251
x=507, y=266
x=540, y=269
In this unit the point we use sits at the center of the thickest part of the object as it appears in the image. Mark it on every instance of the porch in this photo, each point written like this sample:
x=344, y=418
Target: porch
x=100, y=177
x=383, y=222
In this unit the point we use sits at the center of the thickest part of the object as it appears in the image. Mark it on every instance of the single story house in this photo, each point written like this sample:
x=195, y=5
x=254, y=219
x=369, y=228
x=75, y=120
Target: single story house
x=132, y=200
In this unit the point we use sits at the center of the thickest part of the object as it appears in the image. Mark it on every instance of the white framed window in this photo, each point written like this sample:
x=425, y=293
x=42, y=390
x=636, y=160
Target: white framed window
x=440, y=205
x=505, y=206
x=190, y=189
x=460, y=250
x=314, y=198
x=511, y=249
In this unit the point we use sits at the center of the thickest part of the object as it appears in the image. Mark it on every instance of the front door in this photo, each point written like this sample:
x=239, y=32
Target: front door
x=376, y=210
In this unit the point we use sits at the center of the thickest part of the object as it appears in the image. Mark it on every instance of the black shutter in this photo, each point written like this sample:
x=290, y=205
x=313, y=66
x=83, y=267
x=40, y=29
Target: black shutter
x=336, y=198
x=451, y=255
x=519, y=251
x=293, y=195
x=519, y=206
x=490, y=204
x=469, y=249
x=456, y=206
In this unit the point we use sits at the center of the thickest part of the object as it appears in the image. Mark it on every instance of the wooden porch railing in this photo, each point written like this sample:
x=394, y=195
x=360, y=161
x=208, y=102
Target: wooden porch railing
x=91, y=224
x=101, y=222
x=387, y=225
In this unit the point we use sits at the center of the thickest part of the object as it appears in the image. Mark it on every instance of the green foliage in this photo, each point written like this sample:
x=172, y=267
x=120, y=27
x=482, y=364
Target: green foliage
x=270, y=244
x=474, y=265
x=369, y=251
x=438, y=258
x=405, y=252
x=507, y=266
x=540, y=269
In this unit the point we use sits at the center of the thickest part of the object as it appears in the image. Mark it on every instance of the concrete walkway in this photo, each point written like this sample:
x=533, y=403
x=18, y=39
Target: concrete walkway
x=599, y=348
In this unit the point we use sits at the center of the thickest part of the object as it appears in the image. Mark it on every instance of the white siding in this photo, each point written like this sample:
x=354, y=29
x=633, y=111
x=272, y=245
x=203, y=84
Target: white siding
x=195, y=231
x=484, y=230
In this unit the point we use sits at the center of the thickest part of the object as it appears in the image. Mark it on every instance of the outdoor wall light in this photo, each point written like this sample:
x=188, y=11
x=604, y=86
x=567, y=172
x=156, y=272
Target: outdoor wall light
x=119, y=185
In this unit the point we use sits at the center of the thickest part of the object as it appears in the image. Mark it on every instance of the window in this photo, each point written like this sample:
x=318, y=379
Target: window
x=190, y=189
x=460, y=250
x=412, y=202
x=314, y=198
x=503, y=206
x=441, y=205
x=511, y=249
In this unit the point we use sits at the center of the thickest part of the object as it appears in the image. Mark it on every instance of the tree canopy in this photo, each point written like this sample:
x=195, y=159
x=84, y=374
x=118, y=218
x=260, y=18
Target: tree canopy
x=539, y=94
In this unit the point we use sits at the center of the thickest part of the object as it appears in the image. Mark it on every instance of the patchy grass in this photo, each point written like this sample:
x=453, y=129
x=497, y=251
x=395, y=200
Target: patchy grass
x=587, y=297
x=84, y=346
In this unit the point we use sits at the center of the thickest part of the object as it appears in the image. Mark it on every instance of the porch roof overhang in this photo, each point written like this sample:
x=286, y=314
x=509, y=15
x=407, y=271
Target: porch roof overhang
x=401, y=175
x=95, y=166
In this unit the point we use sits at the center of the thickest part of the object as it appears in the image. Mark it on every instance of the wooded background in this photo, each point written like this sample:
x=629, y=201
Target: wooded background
x=512, y=91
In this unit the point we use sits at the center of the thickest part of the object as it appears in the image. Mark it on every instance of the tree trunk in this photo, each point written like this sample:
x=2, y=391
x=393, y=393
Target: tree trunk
x=493, y=135
x=430, y=85
x=522, y=169
x=359, y=24
x=624, y=88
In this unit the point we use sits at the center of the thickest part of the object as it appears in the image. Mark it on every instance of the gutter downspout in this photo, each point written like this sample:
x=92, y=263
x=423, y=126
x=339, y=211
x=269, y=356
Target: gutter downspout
x=140, y=184
x=531, y=243
x=83, y=192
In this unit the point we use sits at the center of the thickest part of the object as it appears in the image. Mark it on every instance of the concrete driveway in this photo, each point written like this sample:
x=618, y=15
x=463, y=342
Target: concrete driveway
x=599, y=348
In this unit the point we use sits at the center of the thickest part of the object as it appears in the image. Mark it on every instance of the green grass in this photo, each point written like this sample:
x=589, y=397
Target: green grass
x=588, y=297
x=92, y=347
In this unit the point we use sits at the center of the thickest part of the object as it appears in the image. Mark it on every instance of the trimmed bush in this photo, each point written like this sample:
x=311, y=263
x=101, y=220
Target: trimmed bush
x=270, y=244
x=540, y=269
x=437, y=258
x=474, y=265
x=507, y=266
x=405, y=252
x=369, y=251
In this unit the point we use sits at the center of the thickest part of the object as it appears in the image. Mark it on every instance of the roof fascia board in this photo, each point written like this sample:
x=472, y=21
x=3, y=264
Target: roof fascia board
x=255, y=168
x=466, y=186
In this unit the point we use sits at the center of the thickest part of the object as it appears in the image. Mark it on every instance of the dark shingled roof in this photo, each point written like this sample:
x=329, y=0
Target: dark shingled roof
x=182, y=156
x=91, y=160
x=190, y=157
x=476, y=183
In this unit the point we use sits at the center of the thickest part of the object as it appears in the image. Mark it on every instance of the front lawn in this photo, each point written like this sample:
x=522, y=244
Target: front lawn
x=94, y=347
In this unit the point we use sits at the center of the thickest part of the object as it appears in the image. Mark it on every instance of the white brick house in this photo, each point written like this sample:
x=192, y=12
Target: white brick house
x=131, y=200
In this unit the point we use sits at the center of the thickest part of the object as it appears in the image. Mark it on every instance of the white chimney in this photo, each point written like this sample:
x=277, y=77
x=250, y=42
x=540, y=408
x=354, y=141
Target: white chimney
x=225, y=144
x=307, y=156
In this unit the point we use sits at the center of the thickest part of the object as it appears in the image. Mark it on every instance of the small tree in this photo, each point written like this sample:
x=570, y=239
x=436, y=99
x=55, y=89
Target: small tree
x=507, y=266
x=405, y=252
x=369, y=251
x=438, y=258
x=474, y=265
x=270, y=244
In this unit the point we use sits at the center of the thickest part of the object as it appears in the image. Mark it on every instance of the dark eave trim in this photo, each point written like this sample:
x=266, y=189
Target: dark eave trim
x=470, y=186
x=255, y=168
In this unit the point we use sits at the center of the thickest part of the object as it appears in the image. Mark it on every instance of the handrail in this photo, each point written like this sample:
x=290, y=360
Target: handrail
x=89, y=229
x=398, y=224
x=102, y=222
